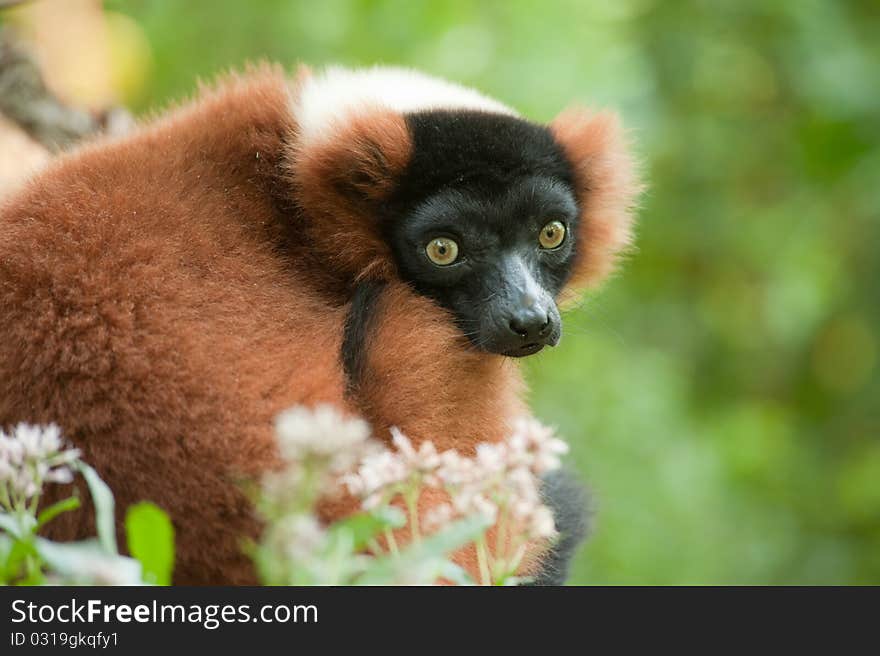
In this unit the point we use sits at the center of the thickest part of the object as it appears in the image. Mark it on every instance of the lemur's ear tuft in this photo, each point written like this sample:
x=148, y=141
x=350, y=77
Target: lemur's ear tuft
x=607, y=189
x=370, y=156
x=340, y=175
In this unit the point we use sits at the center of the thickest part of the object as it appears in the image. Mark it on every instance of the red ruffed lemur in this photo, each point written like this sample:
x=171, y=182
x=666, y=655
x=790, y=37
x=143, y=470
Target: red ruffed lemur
x=375, y=239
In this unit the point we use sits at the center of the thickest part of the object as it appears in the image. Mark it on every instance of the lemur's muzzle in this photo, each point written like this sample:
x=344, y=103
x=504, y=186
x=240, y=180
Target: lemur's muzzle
x=523, y=317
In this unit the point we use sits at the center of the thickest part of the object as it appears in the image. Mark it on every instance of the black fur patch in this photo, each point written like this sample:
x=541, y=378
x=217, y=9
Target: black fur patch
x=570, y=504
x=357, y=331
x=480, y=152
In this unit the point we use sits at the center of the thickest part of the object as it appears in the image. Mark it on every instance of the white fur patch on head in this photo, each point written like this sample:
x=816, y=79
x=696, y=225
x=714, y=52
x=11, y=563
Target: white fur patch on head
x=331, y=97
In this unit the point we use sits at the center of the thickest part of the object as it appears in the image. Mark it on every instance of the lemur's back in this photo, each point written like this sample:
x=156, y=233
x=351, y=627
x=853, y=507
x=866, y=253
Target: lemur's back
x=145, y=309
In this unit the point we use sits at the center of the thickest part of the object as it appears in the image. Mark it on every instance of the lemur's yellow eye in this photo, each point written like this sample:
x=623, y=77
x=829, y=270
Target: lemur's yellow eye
x=552, y=235
x=442, y=251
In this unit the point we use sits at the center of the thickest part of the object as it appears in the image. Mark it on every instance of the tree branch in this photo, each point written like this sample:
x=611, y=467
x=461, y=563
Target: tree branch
x=25, y=99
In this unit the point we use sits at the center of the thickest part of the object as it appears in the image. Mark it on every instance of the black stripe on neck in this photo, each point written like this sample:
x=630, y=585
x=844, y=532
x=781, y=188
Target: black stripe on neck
x=356, y=333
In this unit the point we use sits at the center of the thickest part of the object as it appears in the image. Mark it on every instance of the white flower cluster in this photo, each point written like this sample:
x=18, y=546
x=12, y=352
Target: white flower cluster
x=322, y=449
x=317, y=445
x=502, y=476
x=297, y=537
x=31, y=456
x=380, y=474
x=321, y=433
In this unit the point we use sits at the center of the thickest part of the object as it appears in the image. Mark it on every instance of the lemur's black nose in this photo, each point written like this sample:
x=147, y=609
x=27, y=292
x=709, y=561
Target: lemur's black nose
x=531, y=325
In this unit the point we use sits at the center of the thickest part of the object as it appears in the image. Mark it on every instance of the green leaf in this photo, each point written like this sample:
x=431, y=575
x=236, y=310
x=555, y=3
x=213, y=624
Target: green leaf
x=88, y=562
x=452, y=537
x=15, y=564
x=6, y=546
x=9, y=524
x=510, y=581
x=19, y=526
x=102, y=498
x=50, y=513
x=428, y=560
x=455, y=573
x=363, y=527
x=150, y=536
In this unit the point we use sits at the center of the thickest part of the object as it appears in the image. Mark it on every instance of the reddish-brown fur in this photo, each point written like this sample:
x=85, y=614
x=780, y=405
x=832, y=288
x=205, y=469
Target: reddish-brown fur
x=164, y=296
x=607, y=191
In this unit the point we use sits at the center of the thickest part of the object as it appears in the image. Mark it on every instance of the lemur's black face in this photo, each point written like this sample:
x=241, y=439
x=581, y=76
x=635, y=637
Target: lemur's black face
x=484, y=222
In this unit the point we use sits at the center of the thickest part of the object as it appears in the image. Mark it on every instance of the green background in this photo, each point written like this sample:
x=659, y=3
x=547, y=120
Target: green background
x=721, y=394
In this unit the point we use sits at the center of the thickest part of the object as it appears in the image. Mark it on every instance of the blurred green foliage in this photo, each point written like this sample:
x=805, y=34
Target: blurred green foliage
x=722, y=395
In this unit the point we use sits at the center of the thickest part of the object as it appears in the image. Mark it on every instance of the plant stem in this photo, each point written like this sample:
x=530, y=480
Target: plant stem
x=412, y=504
x=517, y=558
x=4, y=497
x=482, y=560
x=501, y=551
x=375, y=547
x=392, y=542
